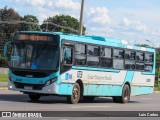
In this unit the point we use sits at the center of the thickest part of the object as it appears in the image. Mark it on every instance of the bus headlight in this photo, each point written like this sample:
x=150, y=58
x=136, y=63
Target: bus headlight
x=50, y=81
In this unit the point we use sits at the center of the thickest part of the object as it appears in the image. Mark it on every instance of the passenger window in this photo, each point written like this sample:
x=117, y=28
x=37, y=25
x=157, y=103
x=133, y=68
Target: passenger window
x=129, y=65
x=106, y=52
x=93, y=61
x=80, y=49
x=139, y=56
x=80, y=60
x=148, y=67
x=148, y=57
x=140, y=66
x=106, y=62
x=80, y=54
x=93, y=50
x=130, y=55
x=118, y=64
x=118, y=54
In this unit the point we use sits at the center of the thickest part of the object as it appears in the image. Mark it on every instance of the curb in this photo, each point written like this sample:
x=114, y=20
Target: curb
x=5, y=88
x=156, y=91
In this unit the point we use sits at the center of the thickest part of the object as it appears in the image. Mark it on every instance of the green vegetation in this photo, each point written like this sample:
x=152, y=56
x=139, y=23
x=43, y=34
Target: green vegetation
x=62, y=23
x=3, y=87
x=58, y=23
x=157, y=86
x=3, y=77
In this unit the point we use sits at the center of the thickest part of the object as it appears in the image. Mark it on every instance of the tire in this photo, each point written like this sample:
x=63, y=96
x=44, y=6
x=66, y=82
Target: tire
x=125, y=94
x=34, y=97
x=75, y=97
x=88, y=98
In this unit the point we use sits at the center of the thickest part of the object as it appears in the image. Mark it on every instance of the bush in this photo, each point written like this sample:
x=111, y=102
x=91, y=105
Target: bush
x=3, y=62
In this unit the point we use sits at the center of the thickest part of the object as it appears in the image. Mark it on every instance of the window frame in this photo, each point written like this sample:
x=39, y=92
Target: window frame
x=106, y=57
x=99, y=46
x=145, y=62
x=118, y=58
x=67, y=46
x=80, y=54
x=112, y=48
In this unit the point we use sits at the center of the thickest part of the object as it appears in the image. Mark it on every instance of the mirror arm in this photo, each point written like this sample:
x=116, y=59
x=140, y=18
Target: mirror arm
x=5, y=48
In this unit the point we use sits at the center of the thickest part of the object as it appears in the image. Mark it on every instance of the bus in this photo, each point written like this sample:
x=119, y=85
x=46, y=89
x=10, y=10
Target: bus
x=79, y=67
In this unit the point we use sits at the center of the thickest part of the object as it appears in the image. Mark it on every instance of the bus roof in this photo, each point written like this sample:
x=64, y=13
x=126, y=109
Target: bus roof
x=95, y=40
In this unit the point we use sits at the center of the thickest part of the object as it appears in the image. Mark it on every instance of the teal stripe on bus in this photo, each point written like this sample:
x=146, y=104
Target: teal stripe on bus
x=95, y=69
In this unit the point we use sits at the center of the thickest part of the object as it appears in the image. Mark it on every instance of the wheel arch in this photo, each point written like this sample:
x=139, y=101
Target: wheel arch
x=80, y=82
x=128, y=83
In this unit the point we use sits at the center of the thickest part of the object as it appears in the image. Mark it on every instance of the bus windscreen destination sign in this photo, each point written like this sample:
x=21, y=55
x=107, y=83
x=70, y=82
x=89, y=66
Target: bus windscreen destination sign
x=33, y=37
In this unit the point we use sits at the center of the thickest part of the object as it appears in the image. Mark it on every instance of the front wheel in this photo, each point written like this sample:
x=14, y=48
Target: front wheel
x=34, y=97
x=75, y=97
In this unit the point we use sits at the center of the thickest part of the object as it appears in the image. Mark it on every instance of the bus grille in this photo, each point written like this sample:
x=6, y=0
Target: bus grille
x=35, y=87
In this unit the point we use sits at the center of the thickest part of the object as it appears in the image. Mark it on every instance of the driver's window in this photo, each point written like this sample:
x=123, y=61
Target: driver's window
x=67, y=55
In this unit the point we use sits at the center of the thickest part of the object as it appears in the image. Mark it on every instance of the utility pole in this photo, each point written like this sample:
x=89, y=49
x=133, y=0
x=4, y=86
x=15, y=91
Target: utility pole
x=47, y=26
x=81, y=18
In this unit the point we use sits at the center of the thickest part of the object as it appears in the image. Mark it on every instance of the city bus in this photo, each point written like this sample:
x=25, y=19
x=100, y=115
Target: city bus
x=79, y=67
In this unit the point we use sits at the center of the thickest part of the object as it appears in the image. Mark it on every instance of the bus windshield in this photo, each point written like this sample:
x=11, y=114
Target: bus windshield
x=34, y=56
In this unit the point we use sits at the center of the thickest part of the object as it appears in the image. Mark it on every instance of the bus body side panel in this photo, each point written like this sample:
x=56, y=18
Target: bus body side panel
x=95, y=83
x=142, y=83
x=141, y=90
x=128, y=79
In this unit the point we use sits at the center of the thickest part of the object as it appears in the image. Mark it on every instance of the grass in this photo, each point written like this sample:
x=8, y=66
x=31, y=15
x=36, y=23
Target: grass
x=3, y=77
x=157, y=86
x=157, y=89
x=3, y=86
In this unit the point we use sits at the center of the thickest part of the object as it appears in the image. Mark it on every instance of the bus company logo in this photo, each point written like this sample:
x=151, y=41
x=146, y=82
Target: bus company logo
x=79, y=74
x=29, y=76
x=6, y=114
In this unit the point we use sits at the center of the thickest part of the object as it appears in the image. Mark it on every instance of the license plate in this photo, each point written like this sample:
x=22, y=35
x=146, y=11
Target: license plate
x=28, y=87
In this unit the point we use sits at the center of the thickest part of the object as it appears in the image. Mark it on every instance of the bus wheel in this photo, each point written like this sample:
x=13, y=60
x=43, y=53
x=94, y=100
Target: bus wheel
x=125, y=94
x=34, y=97
x=75, y=97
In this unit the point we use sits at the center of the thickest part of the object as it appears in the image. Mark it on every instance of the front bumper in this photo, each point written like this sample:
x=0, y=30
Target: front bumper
x=50, y=89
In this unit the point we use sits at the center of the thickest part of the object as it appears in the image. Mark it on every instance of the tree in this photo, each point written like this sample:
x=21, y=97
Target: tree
x=157, y=62
x=62, y=23
x=31, y=23
x=6, y=27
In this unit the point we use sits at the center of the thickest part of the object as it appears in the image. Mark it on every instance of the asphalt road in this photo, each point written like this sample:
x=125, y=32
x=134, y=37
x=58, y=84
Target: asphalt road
x=16, y=101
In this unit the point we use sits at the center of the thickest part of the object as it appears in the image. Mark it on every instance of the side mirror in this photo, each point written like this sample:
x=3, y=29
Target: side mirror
x=6, y=51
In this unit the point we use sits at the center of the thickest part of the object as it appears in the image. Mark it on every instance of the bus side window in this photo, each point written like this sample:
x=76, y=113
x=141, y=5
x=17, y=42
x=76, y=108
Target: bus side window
x=67, y=56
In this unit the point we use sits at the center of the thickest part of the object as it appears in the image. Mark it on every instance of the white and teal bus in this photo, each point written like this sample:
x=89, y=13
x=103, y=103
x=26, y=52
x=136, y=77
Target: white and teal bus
x=79, y=67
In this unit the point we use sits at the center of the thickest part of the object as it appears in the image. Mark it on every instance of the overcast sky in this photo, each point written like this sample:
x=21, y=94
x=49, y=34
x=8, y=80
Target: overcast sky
x=130, y=20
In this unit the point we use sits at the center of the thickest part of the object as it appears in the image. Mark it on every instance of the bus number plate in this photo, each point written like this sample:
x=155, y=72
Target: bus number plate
x=28, y=87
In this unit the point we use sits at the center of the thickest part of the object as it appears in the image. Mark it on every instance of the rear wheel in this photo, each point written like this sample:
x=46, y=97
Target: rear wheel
x=34, y=97
x=75, y=97
x=125, y=95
